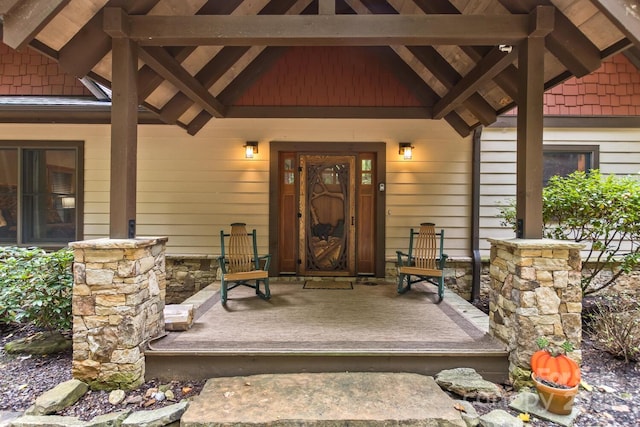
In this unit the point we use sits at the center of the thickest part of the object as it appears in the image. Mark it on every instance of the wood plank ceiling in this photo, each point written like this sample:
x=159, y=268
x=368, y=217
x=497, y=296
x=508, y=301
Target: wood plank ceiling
x=197, y=58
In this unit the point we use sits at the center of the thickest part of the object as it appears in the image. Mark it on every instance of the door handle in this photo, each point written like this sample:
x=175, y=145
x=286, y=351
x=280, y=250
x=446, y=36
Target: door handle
x=353, y=220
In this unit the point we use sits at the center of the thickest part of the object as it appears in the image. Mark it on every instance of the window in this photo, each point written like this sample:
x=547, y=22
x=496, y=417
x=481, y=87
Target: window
x=40, y=193
x=565, y=159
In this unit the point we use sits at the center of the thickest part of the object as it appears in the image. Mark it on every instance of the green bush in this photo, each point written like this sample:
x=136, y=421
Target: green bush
x=36, y=287
x=602, y=212
x=615, y=327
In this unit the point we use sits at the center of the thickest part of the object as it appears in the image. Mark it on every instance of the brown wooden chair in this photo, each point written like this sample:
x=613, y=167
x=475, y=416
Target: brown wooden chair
x=425, y=260
x=240, y=263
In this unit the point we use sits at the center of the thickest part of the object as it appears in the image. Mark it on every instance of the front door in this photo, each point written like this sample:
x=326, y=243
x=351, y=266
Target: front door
x=327, y=215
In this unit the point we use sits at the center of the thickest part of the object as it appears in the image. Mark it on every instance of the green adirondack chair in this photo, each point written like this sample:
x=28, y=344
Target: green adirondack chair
x=240, y=263
x=425, y=260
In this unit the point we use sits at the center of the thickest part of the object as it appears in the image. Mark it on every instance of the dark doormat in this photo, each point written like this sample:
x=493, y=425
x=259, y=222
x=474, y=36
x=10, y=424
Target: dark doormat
x=322, y=284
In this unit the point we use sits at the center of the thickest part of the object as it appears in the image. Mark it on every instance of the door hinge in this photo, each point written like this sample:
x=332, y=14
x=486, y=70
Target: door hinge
x=299, y=261
x=299, y=214
x=299, y=168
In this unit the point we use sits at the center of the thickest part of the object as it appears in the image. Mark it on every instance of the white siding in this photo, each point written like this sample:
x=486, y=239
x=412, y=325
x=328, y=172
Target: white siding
x=619, y=154
x=190, y=187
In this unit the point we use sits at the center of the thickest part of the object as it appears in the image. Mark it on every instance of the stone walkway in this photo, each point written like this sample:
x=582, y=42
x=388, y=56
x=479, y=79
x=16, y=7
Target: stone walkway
x=331, y=399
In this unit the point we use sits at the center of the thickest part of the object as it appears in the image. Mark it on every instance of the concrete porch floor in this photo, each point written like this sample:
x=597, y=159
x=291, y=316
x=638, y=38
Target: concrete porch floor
x=369, y=328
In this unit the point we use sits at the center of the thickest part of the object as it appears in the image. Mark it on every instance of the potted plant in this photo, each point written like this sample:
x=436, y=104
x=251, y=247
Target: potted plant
x=556, y=376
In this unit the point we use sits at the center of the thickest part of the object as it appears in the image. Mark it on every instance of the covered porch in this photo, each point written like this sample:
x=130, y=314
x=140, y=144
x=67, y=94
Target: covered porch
x=328, y=326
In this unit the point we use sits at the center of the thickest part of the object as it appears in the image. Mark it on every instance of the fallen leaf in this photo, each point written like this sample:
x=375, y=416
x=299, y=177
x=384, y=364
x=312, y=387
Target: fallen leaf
x=186, y=390
x=585, y=385
x=620, y=408
x=524, y=417
x=459, y=407
x=149, y=403
x=606, y=389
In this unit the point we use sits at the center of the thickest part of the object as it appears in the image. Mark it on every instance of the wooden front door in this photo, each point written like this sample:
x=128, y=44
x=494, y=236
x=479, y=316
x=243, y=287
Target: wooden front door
x=327, y=218
x=327, y=215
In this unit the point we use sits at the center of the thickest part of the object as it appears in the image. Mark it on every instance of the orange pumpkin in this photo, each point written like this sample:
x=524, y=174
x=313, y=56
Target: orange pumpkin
x=559, y=369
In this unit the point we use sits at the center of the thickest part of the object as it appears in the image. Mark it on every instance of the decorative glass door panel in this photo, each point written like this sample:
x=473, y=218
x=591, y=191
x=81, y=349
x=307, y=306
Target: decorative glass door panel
x=327, y=208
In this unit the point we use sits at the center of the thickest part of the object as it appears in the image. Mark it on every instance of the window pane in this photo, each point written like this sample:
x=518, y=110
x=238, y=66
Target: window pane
x=366, y=178
x=48, y=196
x=564, y=163
x=366, y=164
x=8, y=195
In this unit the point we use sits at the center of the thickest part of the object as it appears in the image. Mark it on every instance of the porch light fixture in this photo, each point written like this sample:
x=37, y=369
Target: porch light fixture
x=250, y=148
x=405, y=149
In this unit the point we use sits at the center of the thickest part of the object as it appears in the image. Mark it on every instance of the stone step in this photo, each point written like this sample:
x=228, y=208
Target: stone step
x=327, y=399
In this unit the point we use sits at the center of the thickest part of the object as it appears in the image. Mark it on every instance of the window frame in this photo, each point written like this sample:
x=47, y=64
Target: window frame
x=593, y=150
x=78, y=148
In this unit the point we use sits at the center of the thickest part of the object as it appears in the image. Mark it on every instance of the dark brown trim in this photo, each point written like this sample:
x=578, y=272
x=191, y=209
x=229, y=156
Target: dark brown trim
x=576, y=148
x=81, y=114
x=476, y=262
x=275, y=147
x=271, y=112
x=78, y=146
x=575, y=122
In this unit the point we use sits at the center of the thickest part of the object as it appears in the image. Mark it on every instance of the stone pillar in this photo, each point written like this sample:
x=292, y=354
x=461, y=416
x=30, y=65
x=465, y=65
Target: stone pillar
x=535, y=292
x=118, y=301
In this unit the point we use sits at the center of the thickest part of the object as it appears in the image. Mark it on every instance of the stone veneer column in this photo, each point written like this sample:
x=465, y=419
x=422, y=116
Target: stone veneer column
x=535, y=292
x=118, y=302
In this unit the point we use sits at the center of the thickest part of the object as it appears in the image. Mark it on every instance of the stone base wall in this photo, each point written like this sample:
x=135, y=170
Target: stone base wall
x=535, y=292
x=187, y=275
x=118, y=302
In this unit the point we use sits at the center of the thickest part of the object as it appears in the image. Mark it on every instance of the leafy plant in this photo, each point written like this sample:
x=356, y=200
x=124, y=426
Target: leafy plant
x=601, y=212
x=615, y=326
x=36, y=287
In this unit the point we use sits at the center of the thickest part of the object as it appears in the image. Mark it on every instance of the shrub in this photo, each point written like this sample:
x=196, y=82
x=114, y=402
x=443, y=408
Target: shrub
x=600, y=212
x=615, y=327
x=36, y=287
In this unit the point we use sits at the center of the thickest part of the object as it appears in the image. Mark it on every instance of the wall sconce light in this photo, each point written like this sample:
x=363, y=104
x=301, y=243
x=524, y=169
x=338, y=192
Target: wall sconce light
x=405, y=149
x=250, y=148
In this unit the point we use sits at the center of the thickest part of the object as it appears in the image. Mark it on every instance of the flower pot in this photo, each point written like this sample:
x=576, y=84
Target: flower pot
x=556, y=400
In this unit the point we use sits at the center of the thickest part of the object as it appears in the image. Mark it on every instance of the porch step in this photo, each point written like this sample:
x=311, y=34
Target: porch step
x=327, y=399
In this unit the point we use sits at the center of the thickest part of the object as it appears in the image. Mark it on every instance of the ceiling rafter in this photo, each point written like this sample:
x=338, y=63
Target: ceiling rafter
x=485, y=70
x=507, y=79
x=89, y=45
x=322, y=30
x=625, y=14
x=24, y=19
x=149, y=80
x=171, y=70
x=228, y=56
x=238, y=86
x=453, y=118
x=566, y=42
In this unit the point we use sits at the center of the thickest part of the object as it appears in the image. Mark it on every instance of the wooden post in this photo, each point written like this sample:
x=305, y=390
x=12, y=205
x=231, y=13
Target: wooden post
x=530, y=127
x=124, y=138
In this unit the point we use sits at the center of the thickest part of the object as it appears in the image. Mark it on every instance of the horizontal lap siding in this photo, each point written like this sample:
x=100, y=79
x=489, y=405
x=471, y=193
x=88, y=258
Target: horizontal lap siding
x=619, y=154
x=189, y=188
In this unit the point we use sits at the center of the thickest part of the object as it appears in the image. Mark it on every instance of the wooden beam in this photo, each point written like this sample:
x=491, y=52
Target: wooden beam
x=7, y=5
x=331, y=112
x=324, y=30
x=566, y=42
x=245, y=79
x=218, y=65
x=326, y=7
x=207, y=76
x=484, y=71
x=625, y=14
x=449, y=77
x=26, y=19
x=507, y=79
x=124, y=138
x=529, y=139
x=171, y=70
x=89, y=45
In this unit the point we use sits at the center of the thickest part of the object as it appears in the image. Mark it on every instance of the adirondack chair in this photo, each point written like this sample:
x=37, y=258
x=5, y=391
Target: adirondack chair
x=240, y=263
x=425, y=260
